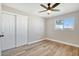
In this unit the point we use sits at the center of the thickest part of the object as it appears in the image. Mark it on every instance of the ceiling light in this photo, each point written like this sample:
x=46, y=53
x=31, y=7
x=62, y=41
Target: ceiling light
x=49, y=11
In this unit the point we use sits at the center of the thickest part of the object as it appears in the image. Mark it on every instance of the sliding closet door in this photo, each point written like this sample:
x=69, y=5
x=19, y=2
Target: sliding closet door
x=8, y=29
x=21, y=30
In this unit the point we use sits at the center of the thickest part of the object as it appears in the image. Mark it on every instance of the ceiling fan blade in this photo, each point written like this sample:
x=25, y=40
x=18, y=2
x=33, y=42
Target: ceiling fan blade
x=42, y=11
x=55, y=10
x=43, y=6
x=56, y=4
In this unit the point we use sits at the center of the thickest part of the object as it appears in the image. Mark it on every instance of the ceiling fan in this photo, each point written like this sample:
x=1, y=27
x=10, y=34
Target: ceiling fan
x=50, y=8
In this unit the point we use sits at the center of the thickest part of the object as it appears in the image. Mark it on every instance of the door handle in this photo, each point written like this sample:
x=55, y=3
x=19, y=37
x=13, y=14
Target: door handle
x=1, y=35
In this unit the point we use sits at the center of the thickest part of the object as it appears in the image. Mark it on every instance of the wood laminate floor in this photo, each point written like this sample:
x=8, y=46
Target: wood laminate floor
x=43, y=48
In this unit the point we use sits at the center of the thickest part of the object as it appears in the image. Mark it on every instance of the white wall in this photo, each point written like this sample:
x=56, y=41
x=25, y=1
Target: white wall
x=36, y=28
x=69, y=36
x=35, y=25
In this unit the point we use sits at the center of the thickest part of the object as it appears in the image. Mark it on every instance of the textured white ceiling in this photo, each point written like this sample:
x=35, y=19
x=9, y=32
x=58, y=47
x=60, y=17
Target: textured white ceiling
x=34, y=8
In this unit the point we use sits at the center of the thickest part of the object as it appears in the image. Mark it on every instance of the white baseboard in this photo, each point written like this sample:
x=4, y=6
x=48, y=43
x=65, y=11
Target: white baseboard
x=75, y=45
x=36, y=41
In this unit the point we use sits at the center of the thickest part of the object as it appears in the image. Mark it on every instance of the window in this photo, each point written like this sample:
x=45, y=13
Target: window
x=67, y=23
x=59, y=24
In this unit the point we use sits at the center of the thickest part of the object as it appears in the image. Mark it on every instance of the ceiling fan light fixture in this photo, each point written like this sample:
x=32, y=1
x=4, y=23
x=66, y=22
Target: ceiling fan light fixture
x=49, y=8
x=49, y=11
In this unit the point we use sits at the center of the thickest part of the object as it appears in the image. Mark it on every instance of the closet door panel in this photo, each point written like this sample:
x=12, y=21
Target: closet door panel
x=8, y=29
x=21, y=30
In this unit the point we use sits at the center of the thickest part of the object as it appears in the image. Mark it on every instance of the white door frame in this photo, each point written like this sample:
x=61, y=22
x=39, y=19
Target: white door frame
x=0, y=29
